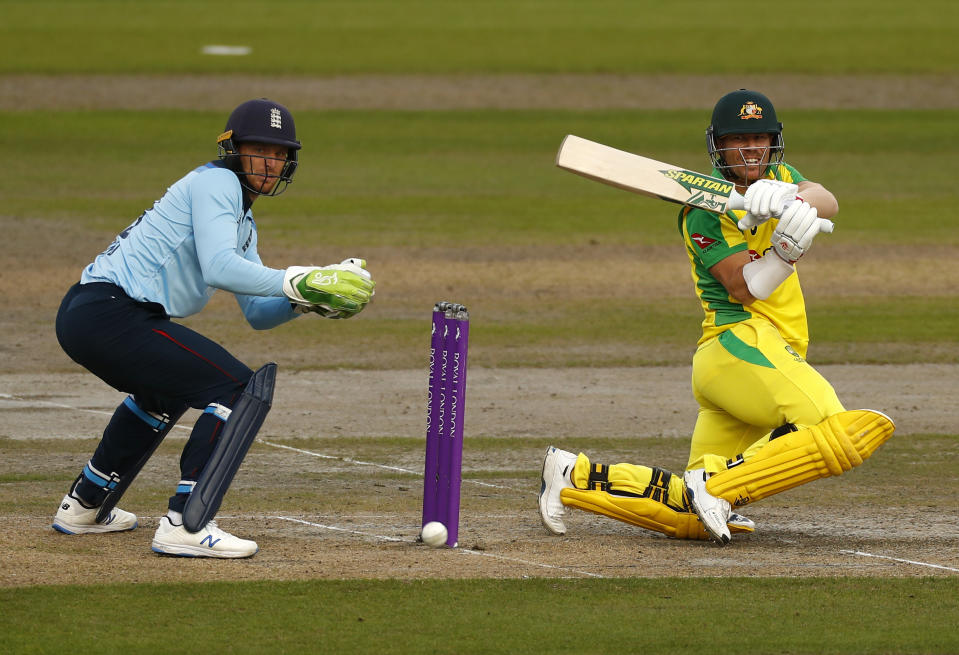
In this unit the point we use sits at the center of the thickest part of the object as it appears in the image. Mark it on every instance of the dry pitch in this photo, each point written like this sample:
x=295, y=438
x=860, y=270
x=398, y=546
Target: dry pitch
x=343, y=502
x=339, y=511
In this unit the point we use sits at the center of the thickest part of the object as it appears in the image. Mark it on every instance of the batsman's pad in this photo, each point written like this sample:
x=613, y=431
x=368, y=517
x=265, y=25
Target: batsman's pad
x=654, y=508
x=644, y=512
x=238, y=434
x=829, y=448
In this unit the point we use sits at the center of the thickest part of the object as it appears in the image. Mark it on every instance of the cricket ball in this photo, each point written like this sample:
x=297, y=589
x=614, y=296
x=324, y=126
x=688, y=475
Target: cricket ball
x=433, y=534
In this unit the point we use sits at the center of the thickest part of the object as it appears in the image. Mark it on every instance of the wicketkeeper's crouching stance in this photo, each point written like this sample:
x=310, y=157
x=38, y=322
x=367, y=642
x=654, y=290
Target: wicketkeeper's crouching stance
x=768, y=421
x=116, y=322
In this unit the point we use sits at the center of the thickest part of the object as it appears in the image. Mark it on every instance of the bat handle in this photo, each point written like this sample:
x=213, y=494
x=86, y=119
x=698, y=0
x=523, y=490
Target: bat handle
x=736, y=200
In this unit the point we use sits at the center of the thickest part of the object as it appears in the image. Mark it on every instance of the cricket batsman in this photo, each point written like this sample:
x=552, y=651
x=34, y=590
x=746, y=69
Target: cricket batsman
x=117, y=322
x=767, y=421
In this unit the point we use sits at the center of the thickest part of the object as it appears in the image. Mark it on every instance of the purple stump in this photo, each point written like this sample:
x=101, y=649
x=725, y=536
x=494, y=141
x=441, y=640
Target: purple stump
x=433, y=419
x=459, y=328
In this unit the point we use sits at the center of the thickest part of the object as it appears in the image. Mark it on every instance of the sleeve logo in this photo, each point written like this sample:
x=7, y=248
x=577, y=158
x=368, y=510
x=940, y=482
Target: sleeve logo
x=701, y=241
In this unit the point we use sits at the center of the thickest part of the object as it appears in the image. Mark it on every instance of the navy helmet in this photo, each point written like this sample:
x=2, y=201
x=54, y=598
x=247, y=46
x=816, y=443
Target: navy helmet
x=260, y=121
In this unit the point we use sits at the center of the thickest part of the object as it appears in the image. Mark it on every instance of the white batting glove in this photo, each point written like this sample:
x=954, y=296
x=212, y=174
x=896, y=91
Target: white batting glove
x=797, y=228
x=765, y=199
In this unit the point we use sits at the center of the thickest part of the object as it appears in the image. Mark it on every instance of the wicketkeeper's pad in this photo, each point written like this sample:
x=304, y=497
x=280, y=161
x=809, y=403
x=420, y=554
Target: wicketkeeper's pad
x=238, y=434
x=829, y=448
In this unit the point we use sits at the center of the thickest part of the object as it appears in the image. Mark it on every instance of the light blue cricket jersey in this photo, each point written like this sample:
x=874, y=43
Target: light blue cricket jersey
x=195, y=239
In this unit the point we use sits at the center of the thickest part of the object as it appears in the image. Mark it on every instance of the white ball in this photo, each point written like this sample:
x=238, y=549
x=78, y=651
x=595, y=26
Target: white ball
x=434, y=534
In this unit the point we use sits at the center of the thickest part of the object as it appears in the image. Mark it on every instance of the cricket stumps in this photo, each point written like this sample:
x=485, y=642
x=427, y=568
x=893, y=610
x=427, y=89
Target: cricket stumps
x=446, y=404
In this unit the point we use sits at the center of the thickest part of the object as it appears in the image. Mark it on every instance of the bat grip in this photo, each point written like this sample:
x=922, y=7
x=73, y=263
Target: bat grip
x=736, y=200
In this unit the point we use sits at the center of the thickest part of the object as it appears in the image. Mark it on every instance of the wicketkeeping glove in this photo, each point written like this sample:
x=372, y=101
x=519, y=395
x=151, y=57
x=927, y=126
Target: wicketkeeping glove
x=797, y=228
x=338, y=291
x=322, y=310
x=765, y=199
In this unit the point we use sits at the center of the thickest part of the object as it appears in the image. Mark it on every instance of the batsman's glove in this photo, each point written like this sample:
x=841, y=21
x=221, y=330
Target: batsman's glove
x=338, y=291
x=797, y=228
x=765, y=199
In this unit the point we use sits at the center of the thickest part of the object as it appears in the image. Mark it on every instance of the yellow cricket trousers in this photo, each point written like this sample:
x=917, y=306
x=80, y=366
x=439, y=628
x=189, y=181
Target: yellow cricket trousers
x=748, y=381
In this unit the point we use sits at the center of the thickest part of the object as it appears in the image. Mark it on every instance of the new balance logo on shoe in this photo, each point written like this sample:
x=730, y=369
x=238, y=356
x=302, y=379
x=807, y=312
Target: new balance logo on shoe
x=209, y=541
x=73, y=518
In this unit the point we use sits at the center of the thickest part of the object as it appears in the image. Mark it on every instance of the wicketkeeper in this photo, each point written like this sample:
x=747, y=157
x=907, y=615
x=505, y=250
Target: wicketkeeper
x=117, y=322
x=767, y=420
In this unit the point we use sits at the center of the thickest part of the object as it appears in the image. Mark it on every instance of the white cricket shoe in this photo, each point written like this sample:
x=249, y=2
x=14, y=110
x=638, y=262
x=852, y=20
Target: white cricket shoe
x=557, y=469
x=74, y=518
x=713, y=512
x=211, y=541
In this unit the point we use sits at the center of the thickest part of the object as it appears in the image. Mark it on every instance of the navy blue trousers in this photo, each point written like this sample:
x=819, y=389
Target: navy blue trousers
x=164, y=366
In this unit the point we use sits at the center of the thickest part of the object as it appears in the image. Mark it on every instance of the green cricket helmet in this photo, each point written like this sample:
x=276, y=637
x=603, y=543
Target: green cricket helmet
x=260, y=121
x=743, y=112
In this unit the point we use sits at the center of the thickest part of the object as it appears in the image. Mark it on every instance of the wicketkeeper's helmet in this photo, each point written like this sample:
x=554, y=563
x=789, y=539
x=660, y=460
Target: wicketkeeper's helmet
x=743, y=112
x=260, y=121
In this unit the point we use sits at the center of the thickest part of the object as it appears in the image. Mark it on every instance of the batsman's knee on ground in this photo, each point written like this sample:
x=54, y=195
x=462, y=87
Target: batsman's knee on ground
x=643, y=512
x=832, y=447
x=648, y=497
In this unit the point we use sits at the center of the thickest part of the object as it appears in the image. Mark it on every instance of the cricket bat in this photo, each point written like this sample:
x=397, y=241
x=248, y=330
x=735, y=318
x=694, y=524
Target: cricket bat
x=647, y=176
x=655, y=179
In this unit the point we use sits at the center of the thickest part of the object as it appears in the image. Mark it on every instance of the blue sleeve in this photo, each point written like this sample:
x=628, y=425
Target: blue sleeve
x=263, y=313
x=217, y=202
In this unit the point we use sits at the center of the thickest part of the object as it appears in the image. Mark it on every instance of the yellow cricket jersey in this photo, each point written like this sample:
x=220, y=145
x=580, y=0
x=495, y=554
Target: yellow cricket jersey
x=711, y=238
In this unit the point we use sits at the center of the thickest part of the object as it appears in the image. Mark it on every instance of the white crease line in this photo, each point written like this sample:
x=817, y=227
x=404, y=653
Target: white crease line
x=263, y=441
x=465, y=551
x=896, y=559
x=342, y=459
x=337, y=529
x=382, y=466
x=7, y=396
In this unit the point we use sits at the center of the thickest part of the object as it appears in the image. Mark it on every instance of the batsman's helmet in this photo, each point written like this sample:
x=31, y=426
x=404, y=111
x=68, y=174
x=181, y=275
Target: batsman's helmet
x=260, y=121
x=743, y=112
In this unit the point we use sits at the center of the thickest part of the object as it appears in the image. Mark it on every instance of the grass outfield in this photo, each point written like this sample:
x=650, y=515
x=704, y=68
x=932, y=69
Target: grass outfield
x=470, y=200
x=434, y=36
x=441, y=178
x=777, y=615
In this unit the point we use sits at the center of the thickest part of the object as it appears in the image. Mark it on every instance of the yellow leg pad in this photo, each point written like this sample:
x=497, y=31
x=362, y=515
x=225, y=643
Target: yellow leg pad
x=644, y=512
x=830, y=448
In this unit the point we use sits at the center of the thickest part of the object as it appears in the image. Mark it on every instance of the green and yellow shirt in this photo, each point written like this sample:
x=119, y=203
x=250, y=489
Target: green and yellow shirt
x=711, y=238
